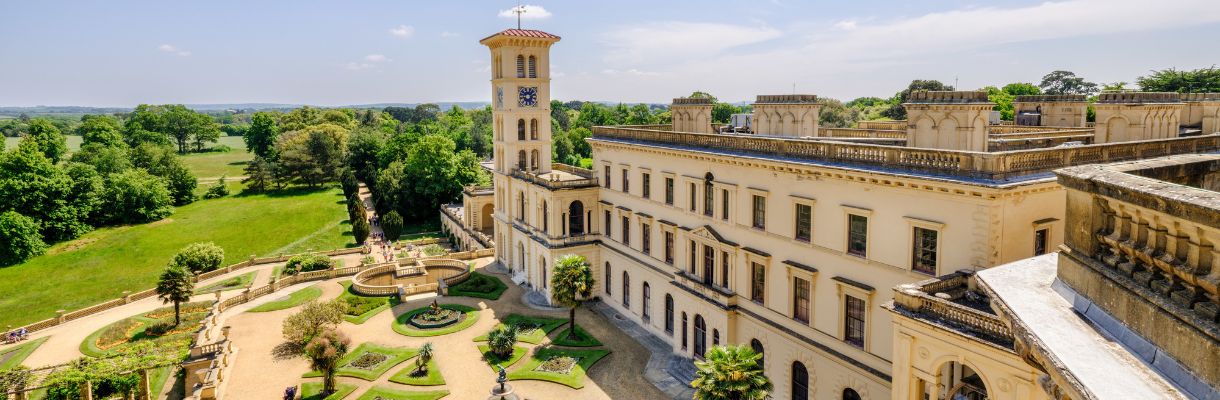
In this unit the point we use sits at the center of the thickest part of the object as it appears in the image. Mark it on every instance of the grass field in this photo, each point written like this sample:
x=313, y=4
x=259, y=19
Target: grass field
x=379, y=392
x=295, y=299
x=212, y=165
x=574, y=378
x=102, y=264
x=407, y=376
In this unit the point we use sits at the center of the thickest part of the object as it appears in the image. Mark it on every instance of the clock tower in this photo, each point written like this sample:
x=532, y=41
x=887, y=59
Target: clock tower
x=521, y=99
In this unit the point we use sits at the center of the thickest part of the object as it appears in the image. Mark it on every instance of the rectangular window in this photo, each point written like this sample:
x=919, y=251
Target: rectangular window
x=626, y=183
x=709, y=265
x=758, y=282
x=626, y=231
x=854, y=322
x=669, y=248
x=804, y=222
x=645, y=239
x=760, y=212
x=607, y=173
x=691, y=189
x=709, y=199
x=1040, y=241
x=724, y=269
x=857, y=235
x=800, y=300
x=646, y=179
x=669, y=191
x=924, y=253
x=606, y=230
x=692, y=257
x=724, y=204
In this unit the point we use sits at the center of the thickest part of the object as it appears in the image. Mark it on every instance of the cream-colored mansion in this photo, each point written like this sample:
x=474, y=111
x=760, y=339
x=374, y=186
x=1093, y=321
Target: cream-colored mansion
x=789, y=237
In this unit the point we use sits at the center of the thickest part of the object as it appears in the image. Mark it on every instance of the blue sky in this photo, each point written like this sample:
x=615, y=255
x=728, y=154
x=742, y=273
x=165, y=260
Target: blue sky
x=121, y=53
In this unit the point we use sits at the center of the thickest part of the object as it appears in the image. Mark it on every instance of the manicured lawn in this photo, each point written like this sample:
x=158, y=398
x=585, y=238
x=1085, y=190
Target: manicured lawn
x=391, y=394
x=583, y=339
x=313, y=391
x=13, y=356
x=574, y=378
x=493, y=360
x=361, y=308
x=534, y=336
x=236, y=282
x=212, y=165
x=407, y=376
x=136, y=328
x=295, y=299
x=393, y=356
x=102, y=264
x=403, y=326
x=481, y=286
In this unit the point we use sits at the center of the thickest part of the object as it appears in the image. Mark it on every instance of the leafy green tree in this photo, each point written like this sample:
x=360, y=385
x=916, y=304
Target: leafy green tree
x=561, y=149
x=362, y=152
x=1021, y=89
x=258, y=175
x=324, y=353
x=721, y=112
x=19, y=238
x=173, y=122
x=100, y=129
x=106, y=159
x=581, y=147
x=559, y=113
x=349, y=184
x=501, y=340
x=640, y=114
x=1066, y=82
x=179, y=179
x=217, y=190
x=50, y=141
x=897, y=111
x=730, y=373
x=1203, y=80
x=360, y=230
x=571, y=284
x=835, y=115
x=31, y=185
x=175, y=286
x=698, y=94
x=313, y=318
x=135, y=196
x=391, y=225
x=199, y=257
x=1116, y=86
x=314, y=154
x=434, y=174
x=260, y=138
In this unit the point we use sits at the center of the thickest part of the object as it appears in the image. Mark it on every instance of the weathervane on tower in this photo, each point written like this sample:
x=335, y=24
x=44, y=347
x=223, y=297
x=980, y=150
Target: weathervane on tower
x=519, y=10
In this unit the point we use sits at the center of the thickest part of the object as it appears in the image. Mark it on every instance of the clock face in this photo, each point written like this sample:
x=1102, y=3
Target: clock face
x=527, y=97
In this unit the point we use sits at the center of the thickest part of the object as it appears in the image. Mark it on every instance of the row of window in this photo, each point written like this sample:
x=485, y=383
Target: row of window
x=533, y=129
x=526, y=67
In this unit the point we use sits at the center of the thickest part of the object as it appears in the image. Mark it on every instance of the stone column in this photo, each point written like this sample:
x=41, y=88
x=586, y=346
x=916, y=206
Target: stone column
x=86, y=391
x=144, y=386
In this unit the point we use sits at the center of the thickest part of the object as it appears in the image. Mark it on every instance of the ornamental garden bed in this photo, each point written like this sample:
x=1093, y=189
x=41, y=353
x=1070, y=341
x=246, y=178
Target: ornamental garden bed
x=548, y=363
x=292, y=300
x=479, y=285
x=236, y=282
x=532, y=329
x=413, y=376
x=369, y=361
x=361, y=308
x=582, y=339
x=155, y=326
x=403, y=324
x=313, y=391
x=492, y=359
x=383, y=393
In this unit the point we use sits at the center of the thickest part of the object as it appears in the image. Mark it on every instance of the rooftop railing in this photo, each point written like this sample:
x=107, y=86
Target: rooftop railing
x=995, y=166
x=551, y=181
x=938, y=300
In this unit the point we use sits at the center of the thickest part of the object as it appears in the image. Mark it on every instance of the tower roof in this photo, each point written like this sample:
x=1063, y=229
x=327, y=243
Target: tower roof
x=523, y=33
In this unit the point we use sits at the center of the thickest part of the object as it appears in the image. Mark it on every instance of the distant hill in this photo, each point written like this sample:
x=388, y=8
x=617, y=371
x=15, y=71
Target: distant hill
x=245, y=107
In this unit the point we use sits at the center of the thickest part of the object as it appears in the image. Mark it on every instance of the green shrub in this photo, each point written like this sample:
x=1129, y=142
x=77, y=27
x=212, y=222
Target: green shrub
x=360, y=230
x=359, y=305
x=391, y=224
x=218, y=190
x=306, y=263
x=435, y=250
x=200, y=257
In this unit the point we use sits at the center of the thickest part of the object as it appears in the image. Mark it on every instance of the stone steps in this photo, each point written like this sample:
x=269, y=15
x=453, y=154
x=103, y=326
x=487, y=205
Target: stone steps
x=682, y=368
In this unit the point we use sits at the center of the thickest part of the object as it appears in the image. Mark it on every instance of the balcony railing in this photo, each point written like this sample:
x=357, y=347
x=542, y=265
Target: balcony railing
x=554, y=182
x=936, y=300
x=475, y=191
x=716, y=294
x=955, y=163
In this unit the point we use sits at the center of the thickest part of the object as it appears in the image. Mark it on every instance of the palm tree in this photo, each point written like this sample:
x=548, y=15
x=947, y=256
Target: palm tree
x=324, y=352
x=502, y=340
x=730, y=373
x=175, y=286
x=425, y=355
x=571, y=283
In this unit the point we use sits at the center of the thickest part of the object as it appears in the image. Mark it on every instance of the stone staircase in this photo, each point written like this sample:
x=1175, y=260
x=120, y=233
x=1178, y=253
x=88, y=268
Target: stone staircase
x=670, y=373
x=681, y=368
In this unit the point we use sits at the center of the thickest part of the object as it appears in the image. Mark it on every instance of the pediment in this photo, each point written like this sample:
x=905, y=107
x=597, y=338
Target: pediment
x=707, y=232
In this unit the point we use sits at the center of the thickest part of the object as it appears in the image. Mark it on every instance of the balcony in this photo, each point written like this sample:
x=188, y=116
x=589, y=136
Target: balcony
x=952, y=302
x=561, y=176
x=719, y=296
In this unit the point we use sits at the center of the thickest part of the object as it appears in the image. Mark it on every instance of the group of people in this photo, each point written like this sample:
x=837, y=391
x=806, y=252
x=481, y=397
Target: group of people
x=17, y=336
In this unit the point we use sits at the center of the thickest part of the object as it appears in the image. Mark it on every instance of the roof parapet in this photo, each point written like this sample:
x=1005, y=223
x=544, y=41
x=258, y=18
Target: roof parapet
x=692, y=101
x=786, y=99
x=1197, y=97
x=1051, y=98
x=1139, y=97
x=947, y=97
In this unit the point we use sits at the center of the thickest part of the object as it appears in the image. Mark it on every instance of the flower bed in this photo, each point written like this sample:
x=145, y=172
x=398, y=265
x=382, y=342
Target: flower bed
x=558, y=364
x=403, y=323
x=368, y=361
x=155, y=326
x=438, y=319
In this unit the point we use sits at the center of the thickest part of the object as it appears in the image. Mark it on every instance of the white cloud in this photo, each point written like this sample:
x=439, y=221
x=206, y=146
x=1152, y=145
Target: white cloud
x=667, y=41
x=447, y=34
x=169, y=48
x=530, y=12
x=630, y=71
x=845, y=25
x=376, y=58
x=403, y=31
x=355, y=66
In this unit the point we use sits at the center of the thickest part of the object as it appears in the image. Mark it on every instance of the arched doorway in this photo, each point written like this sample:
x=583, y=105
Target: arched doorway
x=485, y=217
x=576, y=218
x=757, y=346
x=850, y=394
x=800, y=381
x=700, y=336
x=958, y=381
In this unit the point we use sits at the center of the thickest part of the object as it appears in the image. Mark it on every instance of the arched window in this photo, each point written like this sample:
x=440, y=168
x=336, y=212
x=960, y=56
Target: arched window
x=534, y=160
x=684, y=331
x=626, y=290
x=546, y=216
x=521, y=160
x=533, y=128
x=576, y=218
x=608, y=281
x=709, y=195
x=520, y=66
x=715, y=337
x=758, y=348
x=850, y=394
x=669, y=314
x=645, y=304
x=800, y=381
x=533, y=67
x=521, y=129
x=542, y=265
x=700, y=336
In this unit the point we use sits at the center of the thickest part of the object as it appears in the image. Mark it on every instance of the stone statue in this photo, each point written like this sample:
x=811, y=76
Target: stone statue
x=503, y=378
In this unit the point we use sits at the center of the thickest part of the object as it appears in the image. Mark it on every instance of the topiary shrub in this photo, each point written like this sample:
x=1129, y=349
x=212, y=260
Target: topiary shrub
x=307, y=262
x=391, y=225
x=199, y=257
x=360, y=230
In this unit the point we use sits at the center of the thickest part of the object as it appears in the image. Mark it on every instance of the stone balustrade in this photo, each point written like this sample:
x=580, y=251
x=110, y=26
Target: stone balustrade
x=721, y=297
x=884, y=125
x=553, y=182
x=1125, y=97
x=947, y=96
x=786, y=99
x=692, y=101
x=1050, y=98
x=863, y=133
x=995, y=166
x=933, y=300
